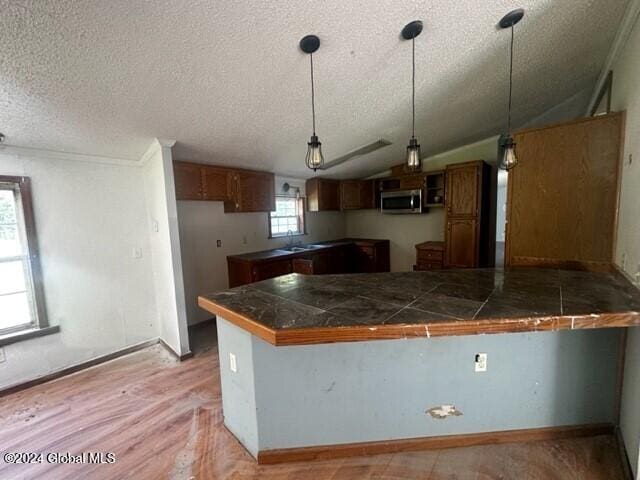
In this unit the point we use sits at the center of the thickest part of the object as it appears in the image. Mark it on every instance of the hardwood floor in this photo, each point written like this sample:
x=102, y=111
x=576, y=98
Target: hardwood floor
x=163, y=419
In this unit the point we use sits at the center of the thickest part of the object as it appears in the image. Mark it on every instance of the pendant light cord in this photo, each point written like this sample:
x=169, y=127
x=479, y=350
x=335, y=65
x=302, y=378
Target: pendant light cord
x=413, y=88
x=313, y=100
x=510, y=81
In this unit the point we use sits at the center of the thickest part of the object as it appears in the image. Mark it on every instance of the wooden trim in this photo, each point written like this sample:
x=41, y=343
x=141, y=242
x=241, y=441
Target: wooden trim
x=320, y=335
x=170, y=349
x=324, y=452
x=584, y=265
x=562, y=124
x=251, y=326
x=17, y=387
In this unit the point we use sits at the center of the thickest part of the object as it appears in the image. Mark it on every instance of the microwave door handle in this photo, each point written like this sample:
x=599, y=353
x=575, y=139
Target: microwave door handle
x=412, y=197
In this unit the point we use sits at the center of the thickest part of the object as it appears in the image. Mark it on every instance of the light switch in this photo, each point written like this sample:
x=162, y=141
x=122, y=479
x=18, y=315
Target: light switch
x=137, y=252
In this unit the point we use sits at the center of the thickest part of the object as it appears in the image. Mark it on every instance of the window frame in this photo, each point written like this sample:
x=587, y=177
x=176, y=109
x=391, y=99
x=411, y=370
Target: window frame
x=22, y=185
x=302, y=219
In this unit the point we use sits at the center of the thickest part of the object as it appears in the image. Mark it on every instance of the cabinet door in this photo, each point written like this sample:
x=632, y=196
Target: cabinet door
x=367, y=194
x=350, y=194
x=412, y=182
x=463, y=190
x=263, y=271
x=461, y=244
x=329, y=195
x=188, y=180
x=216, y=183
x=251, y=192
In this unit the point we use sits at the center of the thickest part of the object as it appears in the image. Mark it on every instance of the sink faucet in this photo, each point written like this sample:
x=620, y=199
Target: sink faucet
x=290, y=238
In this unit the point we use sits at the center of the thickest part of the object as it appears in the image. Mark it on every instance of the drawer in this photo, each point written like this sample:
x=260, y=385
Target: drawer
x=430, y=255
x=429, y=266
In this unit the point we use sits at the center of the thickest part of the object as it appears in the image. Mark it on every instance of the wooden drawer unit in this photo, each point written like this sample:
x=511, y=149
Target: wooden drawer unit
x=429, y=256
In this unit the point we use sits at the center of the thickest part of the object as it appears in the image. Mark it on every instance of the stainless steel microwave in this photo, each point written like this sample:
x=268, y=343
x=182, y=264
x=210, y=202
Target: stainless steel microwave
x=401, y=201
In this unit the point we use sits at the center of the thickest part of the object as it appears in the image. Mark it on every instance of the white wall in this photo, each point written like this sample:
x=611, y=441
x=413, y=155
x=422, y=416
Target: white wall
x=626, y=96
x=405, y=231
x=203, y=223
x=162, y=221
x=89, y=217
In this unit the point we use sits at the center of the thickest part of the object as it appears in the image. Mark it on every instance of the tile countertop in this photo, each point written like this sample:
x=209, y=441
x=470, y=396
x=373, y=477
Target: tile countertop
x=306, y=309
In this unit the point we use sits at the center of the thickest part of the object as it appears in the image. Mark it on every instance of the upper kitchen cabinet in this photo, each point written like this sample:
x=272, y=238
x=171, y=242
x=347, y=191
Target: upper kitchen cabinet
x=188, y=180
x=463, y=189
x=357, y=194
x=563, y=193
x=216, y=182
x=240, y=190
x=323, y=194
x=251, y=191
x=350, y=194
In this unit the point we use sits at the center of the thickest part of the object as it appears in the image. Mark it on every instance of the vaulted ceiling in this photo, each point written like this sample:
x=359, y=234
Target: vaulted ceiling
x=227, y=81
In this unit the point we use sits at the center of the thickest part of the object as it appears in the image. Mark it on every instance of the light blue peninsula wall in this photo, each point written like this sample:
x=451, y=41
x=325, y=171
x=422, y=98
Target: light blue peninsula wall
x=296, y=396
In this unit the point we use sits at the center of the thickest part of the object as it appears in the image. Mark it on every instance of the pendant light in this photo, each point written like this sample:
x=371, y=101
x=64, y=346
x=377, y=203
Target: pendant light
x=508, y=158
x=314, y=159
x=410, y=32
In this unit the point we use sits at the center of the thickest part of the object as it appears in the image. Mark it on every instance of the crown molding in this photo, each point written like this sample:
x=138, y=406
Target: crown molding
x=68, y=156
x=624, y=30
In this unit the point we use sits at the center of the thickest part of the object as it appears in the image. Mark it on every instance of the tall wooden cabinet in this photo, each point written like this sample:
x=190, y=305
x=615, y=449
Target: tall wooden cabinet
x=562, y=195
x=467, y=234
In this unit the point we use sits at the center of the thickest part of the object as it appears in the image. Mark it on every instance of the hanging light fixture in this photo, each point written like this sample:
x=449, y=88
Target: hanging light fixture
x=314, y=159
x=410, y=32
x=508, y=158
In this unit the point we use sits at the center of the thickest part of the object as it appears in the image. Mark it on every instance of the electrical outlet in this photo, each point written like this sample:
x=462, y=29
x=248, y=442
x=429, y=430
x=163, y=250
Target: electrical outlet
x=481, y=362
x=630, y=158
x=623, y=261
x=2, y=357
x=218, y=243
x=137, y=252
x=233, y=366
x=244, y=239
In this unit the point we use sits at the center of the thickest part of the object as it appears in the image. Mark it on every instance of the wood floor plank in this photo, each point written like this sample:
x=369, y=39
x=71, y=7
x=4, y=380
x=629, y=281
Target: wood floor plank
x=163, y=419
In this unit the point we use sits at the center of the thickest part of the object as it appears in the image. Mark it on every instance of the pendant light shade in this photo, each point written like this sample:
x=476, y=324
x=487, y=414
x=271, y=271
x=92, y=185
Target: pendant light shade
x=508, y=158
x=413, y=160
x=413, y=155
x=314, y=158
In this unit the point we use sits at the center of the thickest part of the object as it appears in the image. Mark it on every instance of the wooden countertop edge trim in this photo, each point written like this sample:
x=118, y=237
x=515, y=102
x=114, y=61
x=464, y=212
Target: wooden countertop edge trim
x=360, y=333
x=325, y=452
x=251, y=326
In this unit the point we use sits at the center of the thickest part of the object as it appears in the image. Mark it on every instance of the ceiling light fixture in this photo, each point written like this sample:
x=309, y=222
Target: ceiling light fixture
x=314, y=159
x=410, y=32
x=508, y=158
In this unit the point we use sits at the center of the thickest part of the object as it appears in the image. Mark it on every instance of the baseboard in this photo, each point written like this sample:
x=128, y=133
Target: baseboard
x=17, y=387
x=170, y=349
x=324, y=452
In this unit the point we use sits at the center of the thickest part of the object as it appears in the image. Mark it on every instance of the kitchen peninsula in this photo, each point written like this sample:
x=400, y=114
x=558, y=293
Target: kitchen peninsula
x=335, y=365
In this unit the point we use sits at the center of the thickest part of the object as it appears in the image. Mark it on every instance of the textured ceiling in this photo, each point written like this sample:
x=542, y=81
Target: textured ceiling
x=227, y=81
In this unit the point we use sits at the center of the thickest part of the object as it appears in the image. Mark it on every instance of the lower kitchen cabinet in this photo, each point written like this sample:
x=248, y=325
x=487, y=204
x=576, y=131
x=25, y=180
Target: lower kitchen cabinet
x=347, y=256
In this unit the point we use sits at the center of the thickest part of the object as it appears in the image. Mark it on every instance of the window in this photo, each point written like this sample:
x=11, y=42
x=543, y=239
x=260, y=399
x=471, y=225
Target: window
x=21, y=299
x=288, y=217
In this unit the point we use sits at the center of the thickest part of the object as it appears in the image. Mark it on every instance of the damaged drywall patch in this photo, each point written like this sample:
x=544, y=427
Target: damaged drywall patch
x=443, y=411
